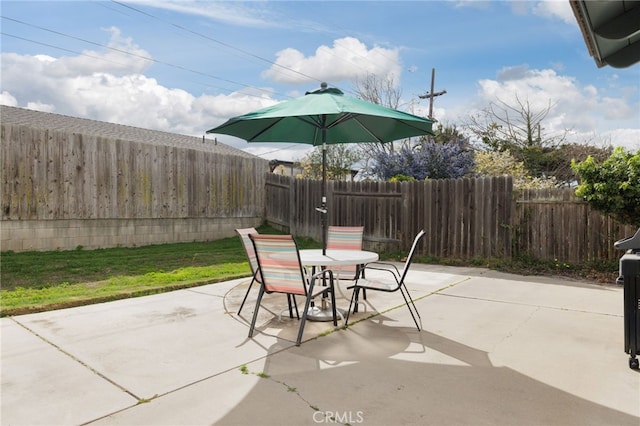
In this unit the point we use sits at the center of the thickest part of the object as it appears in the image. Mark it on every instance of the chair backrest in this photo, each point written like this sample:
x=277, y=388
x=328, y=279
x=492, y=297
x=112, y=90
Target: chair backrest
x=279, y=263
x=407, y=263
x=250, y=250
x=345, y=237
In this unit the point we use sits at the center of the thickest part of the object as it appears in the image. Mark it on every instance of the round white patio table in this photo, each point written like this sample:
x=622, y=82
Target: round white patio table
x=329, y=260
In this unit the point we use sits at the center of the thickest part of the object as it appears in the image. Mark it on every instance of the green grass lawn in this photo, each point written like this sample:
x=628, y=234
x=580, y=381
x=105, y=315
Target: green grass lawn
x=44, y=269
x=39, y=281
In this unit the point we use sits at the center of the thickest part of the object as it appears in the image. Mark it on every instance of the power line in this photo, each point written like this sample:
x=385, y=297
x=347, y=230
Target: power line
x=206, y=37
x=60, y=48
x=153, y=60
x=250, y=54
x=277, y=150
x=101, y=58
x=125, y=52
x=180, y=67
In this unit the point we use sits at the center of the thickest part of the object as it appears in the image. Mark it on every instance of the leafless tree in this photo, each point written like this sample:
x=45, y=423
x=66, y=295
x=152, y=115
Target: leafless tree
x=518, y=129
x=374, y=89
x=502, y=126
x=377, y=90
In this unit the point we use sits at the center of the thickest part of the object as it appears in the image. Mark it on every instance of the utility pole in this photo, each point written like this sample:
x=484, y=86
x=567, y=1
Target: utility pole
x=431, y=95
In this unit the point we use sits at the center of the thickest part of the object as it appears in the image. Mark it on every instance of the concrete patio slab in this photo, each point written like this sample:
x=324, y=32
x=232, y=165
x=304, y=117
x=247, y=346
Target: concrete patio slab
x=45, y=385
x=495, y=349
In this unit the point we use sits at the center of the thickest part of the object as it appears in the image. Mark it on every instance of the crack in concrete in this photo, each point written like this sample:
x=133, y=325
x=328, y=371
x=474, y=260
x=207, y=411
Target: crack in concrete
x=75, y=359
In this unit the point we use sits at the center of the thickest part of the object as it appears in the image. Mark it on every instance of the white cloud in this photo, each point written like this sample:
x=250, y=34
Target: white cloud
x=252, y=14
x=555, y=9
x=110, y=86
x=39, y=106
x=347, y=59
x=8, y=99
x=627, y=138
x=582, y=109
x=552, y=9
x=123, y=55
x=478, y=4
x=42, y=81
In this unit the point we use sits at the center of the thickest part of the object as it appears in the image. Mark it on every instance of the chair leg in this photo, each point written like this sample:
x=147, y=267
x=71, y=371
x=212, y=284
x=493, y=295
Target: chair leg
x=247, y=293
x=364, y=290
x=408, y=298
x=356, y=292
x=354, y=295
x=289, y=305
x=411, y=299
x=295, y=304
x=303, y=320
x=333, y=305
x=306, y=310
x=255, y=312
x=291, y=297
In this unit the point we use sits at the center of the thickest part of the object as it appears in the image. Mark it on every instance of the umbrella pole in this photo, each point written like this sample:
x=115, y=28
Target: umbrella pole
x=323, y=211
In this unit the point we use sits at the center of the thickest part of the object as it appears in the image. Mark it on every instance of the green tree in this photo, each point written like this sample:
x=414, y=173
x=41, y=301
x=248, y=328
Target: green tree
x=444, y=133
x=612, y=186
x=340, y=159
x=557, y=162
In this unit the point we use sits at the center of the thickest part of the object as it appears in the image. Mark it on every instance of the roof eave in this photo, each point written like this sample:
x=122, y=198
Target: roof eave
x=582, y=17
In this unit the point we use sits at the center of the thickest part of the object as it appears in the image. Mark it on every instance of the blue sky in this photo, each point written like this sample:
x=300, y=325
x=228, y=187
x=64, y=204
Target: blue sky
x=189, y=65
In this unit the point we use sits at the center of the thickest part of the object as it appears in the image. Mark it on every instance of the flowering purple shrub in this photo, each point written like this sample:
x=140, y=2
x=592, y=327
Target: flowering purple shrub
x=427, y=160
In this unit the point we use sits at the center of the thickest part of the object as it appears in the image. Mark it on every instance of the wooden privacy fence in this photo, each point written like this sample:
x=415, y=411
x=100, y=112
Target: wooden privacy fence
x=554, y=224
x=49, y=175
x=463, y=218
x=63, y=189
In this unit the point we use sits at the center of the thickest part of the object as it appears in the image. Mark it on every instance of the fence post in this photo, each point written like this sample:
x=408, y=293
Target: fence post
x=292, y=206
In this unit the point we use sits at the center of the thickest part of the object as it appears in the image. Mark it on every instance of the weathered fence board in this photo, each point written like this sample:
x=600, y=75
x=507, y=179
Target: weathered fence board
x=554, y=224
x=458, y=221
x=51, y=175
x=462, y=218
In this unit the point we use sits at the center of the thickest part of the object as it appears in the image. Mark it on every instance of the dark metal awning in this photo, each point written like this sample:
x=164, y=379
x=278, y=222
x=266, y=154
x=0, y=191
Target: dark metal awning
x=611, y=30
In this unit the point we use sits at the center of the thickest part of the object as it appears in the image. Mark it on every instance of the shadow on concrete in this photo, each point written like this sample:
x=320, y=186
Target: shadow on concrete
x=379, y=374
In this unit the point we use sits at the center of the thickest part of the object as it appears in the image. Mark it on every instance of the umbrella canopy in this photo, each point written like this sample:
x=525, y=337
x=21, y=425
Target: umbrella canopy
x=325, y=115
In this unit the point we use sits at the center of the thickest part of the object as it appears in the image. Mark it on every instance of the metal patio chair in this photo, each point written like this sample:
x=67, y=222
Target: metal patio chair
x=253, y=264
x=282, y=272
x=388, y=286
x=346, y=238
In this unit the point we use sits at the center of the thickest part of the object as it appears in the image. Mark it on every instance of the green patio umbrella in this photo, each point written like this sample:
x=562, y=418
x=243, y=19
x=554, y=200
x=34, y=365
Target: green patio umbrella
x=322, y=117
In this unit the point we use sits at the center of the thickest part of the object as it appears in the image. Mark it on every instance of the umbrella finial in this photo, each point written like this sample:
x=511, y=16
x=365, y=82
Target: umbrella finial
x=324, y=88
